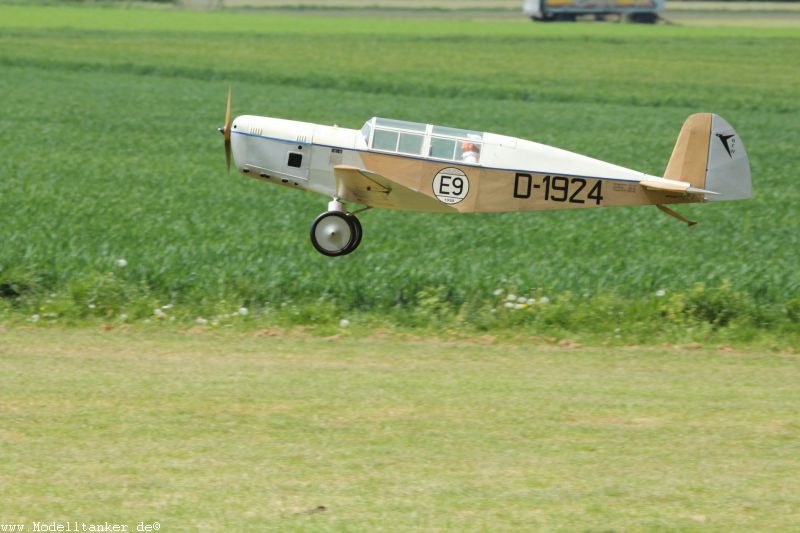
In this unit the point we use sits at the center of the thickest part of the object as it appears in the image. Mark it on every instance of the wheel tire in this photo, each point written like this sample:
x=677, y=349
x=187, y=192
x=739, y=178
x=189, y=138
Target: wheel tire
x=357, y=232
x=566, y=17
x=333, y=233
x=643, y=18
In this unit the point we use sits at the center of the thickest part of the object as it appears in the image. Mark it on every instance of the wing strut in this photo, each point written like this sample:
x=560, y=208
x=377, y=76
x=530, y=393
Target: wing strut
x=672, y=213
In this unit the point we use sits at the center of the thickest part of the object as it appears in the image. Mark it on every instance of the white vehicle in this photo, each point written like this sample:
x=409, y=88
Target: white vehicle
x=410, y=166
x=567, y=10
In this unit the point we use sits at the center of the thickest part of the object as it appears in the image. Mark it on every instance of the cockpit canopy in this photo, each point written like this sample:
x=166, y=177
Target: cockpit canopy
x=426, y=140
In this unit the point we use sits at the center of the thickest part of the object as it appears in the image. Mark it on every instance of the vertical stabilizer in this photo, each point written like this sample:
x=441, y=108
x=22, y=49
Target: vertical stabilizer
x=690, y=156
x=710, y=155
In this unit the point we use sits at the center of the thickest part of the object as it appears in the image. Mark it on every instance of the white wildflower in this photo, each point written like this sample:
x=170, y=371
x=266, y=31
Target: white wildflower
x=511, y=297
x=122, y=263
x=92, y=306
x=530, y=301
x=343, y=323
x=168, y=306
x=544, y=300
x=123, y=317
x=509, y=305
x=159, y=313
x=202, y=321
x=519, y=306
x=35, y=318
x=497, y=292
x=521, y=300
x=243, y=311
x=660, y=292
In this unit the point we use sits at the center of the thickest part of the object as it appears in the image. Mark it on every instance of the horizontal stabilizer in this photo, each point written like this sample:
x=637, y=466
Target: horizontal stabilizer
x=700, y=191
x=673, y=186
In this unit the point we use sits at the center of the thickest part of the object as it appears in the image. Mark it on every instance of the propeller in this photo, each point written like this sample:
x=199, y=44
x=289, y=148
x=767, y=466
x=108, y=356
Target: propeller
x=226, y=131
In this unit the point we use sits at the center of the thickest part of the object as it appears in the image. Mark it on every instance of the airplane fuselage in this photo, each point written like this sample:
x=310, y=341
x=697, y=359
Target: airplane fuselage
x=484, y=172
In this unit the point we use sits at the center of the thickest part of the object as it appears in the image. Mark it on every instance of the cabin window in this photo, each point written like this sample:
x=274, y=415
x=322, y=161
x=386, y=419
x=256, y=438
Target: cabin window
x=400, y=125
x=413, y=138
x=365, y=131
x=456, y=132
x=295, y=160
x=410, y=144
x=385, y=140
x=442, y=148
x=468, y=151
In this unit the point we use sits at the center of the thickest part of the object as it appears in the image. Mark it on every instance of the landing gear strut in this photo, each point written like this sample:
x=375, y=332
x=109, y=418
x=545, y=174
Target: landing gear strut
x=336, y=232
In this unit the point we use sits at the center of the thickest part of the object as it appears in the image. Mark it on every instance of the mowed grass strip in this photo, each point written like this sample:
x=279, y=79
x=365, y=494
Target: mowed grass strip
x=246, y=432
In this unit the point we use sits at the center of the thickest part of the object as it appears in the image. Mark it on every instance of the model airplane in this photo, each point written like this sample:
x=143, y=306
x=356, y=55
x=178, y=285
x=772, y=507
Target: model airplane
x=420, y=167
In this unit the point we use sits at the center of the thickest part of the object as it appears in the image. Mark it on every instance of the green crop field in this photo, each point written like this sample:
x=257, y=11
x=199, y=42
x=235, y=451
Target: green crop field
x=238, y=432
x=109, y=151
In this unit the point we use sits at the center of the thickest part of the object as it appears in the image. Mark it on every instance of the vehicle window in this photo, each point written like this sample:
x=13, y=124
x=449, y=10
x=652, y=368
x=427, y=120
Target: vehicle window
x=400, y=124
x=442, y=148
x=385, y=140
x=455, y=132
x=468, y=152
x=459, y=150
x=365, y=131
x=410, y=144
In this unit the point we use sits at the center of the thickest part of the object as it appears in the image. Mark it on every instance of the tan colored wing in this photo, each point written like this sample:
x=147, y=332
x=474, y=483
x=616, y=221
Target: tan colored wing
x=361, y=186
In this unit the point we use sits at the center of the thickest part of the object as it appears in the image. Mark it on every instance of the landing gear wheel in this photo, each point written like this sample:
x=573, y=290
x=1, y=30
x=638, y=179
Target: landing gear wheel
x=358, y=232
x=643, y=18
x=335, y=233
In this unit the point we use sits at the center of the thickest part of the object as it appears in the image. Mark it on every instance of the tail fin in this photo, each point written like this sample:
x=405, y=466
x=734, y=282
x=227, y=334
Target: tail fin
x=710, y=155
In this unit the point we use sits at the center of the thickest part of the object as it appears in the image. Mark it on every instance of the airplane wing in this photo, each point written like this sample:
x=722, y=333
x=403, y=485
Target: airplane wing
x=365, y=187
x=663, y=184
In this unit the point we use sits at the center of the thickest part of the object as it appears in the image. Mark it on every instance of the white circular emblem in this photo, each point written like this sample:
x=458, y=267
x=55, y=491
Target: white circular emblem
x=450, y=185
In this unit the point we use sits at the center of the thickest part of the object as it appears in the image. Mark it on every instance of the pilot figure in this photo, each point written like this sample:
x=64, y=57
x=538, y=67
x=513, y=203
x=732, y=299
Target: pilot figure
x=470, y=152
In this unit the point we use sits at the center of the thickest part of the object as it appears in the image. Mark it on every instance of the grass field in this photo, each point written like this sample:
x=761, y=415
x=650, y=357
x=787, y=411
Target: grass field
x=246, y=432
x=227, y=377
x=109, y=150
